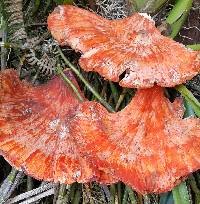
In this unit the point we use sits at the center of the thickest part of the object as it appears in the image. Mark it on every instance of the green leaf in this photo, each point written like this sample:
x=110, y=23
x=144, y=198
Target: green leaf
x=181, y=7
x=181, y=194
x=178, y=15
x=188, y=110
x=194, y=47
x=176, y=27
x=189, y=97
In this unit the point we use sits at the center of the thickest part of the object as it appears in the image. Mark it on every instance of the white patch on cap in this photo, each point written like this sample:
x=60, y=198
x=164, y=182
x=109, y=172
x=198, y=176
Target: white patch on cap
x=90, y=53
x=64, y=131
x=145, y=15
x=74, y=42
x=61, y=10
x=54, y=123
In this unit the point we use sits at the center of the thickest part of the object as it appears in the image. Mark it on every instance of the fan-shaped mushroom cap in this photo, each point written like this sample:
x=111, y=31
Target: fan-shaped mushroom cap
x=35, y=132
x=47, y=132
x=147, y=145
x=132, y=45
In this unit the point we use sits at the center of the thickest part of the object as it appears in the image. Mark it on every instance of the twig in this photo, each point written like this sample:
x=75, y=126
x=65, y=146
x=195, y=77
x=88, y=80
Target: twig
x=37, y=191
x=35, y=24
x=56, y=192
x=106, y=191
x=10, y=184
x=38, y=197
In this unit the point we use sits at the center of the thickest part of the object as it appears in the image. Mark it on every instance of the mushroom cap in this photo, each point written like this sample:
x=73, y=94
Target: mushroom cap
x=133, y=46
x=35, y=133
x=47, y=132
x=147, y=145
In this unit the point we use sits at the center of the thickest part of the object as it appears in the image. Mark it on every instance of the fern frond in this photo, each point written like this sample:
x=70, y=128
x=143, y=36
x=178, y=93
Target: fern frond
x=45, y=64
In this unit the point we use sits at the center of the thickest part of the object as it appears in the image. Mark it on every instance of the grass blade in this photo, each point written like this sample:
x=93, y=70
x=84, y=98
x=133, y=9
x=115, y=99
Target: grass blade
x=181, y=194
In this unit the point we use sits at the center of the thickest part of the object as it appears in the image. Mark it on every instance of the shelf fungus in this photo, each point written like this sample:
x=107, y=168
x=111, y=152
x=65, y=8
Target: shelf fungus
x=47, y=132
x=35, y=133
x=147, y=145
x=131, y=51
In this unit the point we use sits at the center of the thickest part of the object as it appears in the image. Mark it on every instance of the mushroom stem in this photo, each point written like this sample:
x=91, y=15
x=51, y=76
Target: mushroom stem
x=78, y=73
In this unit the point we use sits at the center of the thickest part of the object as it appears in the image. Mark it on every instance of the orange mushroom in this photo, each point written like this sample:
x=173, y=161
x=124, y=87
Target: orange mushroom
x=47, y=132
x=147, y=145
x=132, y=45
x=35, y=133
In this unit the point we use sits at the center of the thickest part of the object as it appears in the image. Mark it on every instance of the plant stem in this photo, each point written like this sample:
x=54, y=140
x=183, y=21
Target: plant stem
x=131, y=195
x=125, y=196
x=68, y=81
x=29, y=183
x=114, y=91
x=61, y=194
x=78, y=73
x=119, y=192
x=77, y=197
x=112, y=193
x=120, y=99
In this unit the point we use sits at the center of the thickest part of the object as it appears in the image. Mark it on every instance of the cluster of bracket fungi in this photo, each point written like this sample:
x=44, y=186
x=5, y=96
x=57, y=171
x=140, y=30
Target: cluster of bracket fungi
x=47, y=132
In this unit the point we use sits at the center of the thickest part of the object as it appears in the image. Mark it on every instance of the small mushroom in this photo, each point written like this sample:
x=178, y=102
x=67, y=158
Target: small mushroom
x=36, y=134
x=131, y=51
